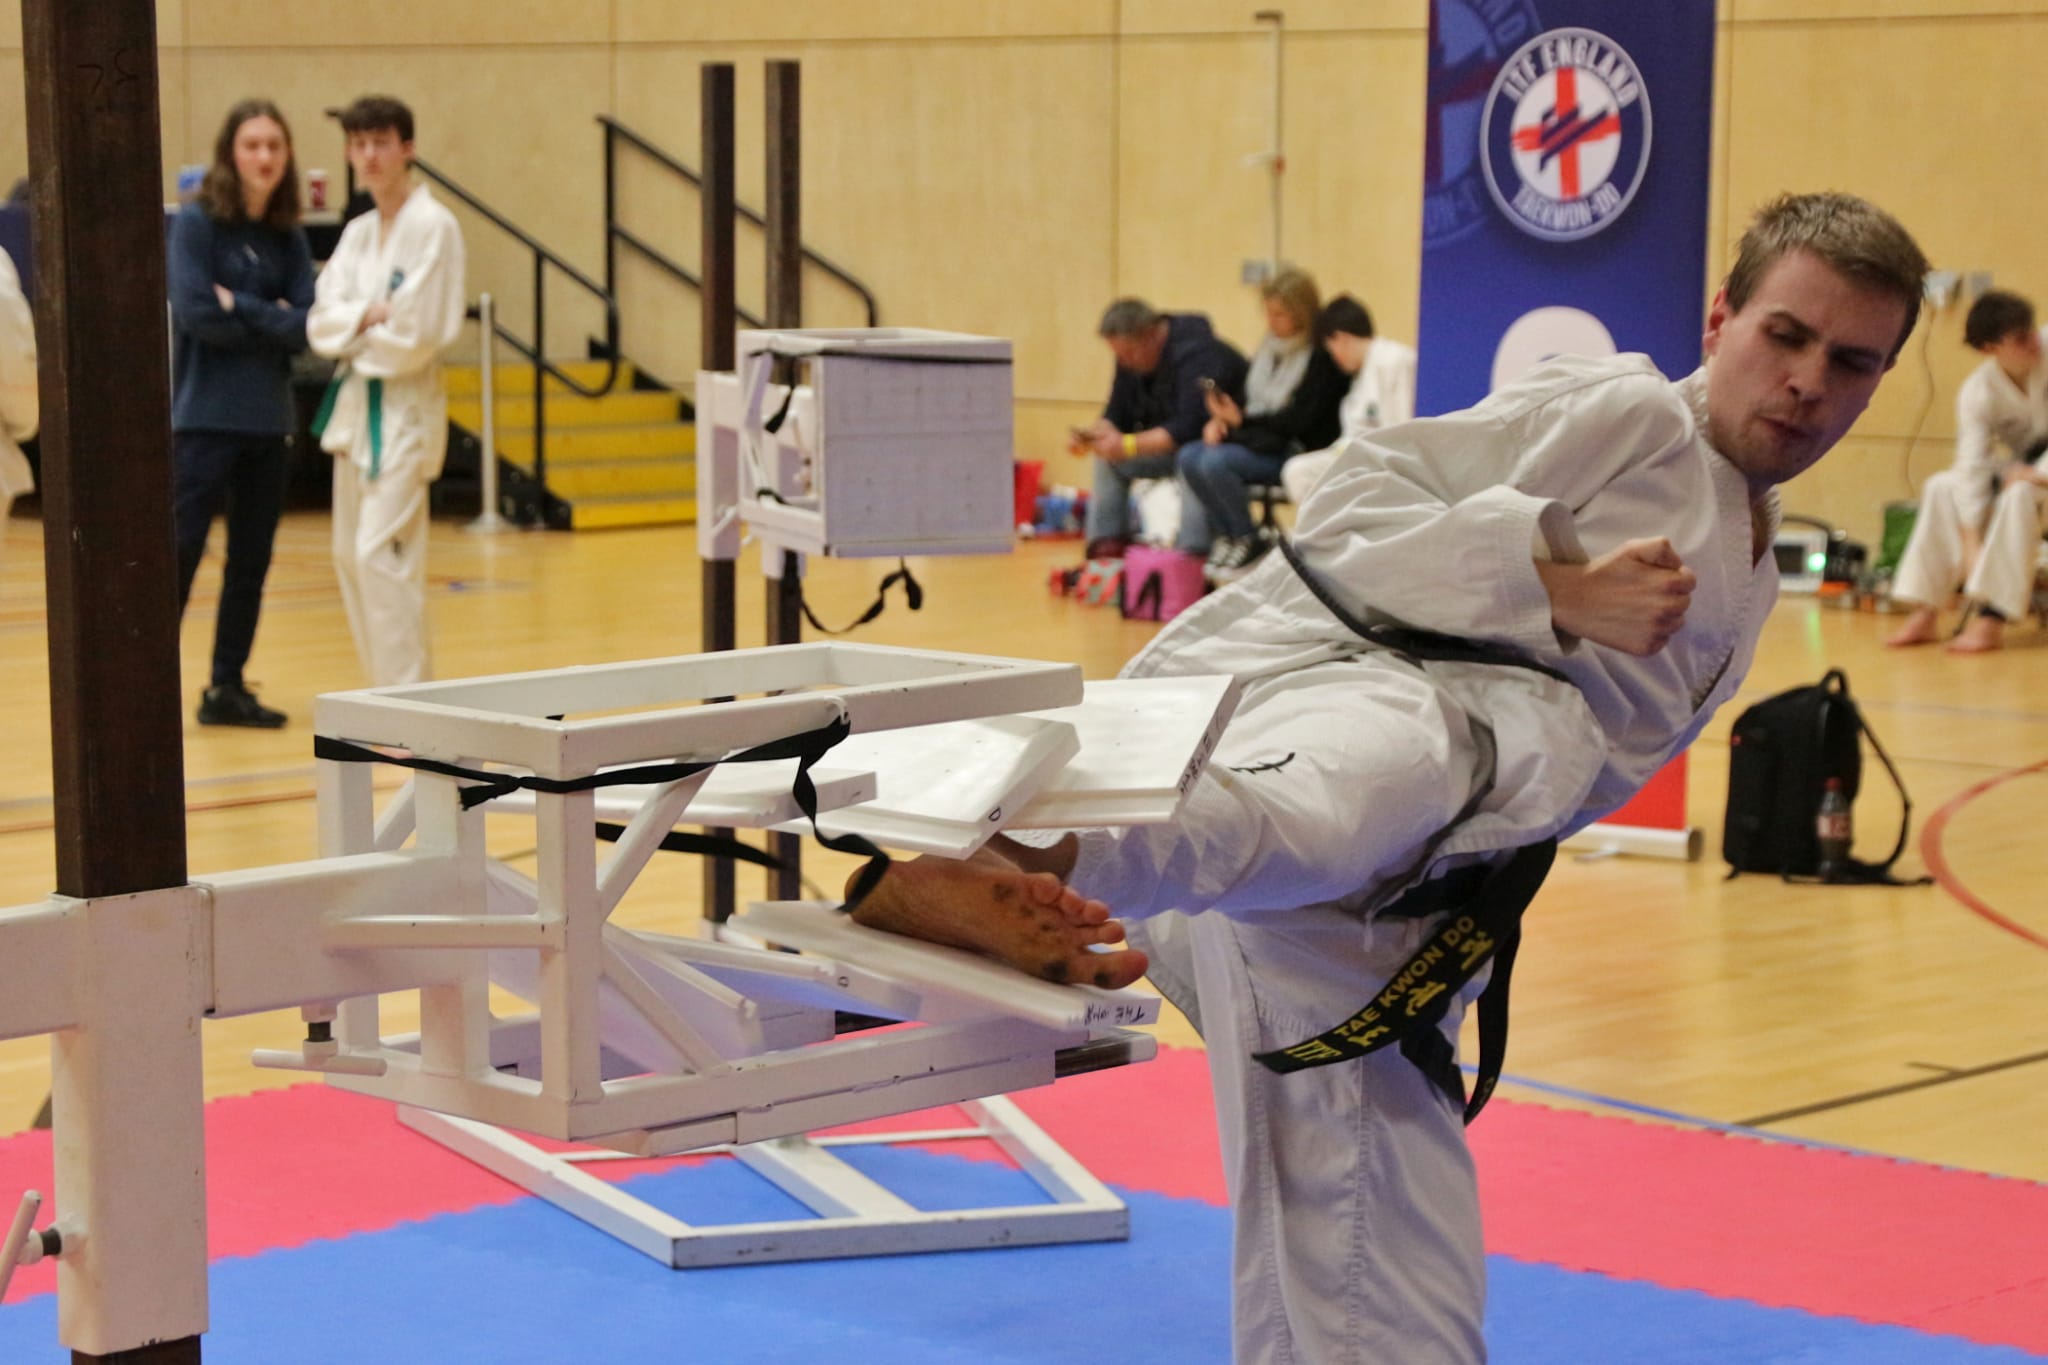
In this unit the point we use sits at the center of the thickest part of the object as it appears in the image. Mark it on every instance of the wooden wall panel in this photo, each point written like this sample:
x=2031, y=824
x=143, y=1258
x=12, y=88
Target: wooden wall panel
x=441, y=23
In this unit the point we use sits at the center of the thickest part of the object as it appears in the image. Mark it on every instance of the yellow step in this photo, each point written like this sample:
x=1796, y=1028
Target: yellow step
x=466, y=381
x=592, y=514
x=569, y=445
x=622, y=478
x=637, y=408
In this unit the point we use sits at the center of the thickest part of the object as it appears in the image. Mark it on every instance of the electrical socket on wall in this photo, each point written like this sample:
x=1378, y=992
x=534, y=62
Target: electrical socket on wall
x=1940, y=287
x=1976, y=284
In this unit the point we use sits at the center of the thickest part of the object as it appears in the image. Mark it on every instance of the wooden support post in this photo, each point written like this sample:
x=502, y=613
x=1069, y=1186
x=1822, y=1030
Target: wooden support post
x=117, y=736
x=785, y=309
x=718, y=590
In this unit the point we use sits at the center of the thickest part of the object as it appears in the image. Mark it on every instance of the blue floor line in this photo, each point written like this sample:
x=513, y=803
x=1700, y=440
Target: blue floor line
x=1689, y=1120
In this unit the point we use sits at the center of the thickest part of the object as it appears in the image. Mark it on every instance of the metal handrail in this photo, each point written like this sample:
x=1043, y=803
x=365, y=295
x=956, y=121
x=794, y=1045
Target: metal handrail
x=614, y=233
x=543, y=257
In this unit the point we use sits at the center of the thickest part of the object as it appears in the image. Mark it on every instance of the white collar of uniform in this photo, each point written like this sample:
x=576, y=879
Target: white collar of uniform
x=1693, y=389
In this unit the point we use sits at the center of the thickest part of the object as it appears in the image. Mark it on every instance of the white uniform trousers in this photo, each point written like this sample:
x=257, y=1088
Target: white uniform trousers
x=1932, y=567
x=1356, y=1230
x=2004, y=576
x=380, y=556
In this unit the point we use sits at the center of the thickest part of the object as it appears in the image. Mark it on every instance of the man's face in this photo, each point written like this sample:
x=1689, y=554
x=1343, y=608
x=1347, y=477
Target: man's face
x=2017, y=352
x=379, y=157
x=1140, y=352
x=1791, y=372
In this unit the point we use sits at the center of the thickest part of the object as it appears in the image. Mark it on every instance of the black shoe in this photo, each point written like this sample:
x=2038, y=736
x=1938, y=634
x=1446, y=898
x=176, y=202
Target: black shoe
x=234, y=704
x=1235, y=556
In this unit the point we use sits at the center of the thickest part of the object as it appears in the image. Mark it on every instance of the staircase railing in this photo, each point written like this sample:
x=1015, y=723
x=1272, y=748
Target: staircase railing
x=616, y=234
x=543, y=258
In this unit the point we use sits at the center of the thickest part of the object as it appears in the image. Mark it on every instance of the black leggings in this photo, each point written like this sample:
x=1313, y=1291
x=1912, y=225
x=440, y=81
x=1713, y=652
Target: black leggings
x=245, y=475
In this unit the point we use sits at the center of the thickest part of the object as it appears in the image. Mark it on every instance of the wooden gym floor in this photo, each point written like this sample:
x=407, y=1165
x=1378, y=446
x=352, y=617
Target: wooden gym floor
x=1903, y=1021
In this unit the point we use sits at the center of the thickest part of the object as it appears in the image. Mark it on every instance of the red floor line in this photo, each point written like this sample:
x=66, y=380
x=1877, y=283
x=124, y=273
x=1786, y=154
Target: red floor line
x=1937, y=862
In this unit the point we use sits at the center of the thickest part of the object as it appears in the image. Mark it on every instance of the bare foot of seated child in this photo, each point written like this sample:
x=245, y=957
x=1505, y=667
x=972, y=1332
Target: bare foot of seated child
x=989, y=905
x=1922, y=627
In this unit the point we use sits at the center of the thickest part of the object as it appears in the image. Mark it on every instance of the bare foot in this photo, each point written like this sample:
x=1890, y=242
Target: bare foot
x=1920, y=628
x=1028, y=920
x=1981, y=636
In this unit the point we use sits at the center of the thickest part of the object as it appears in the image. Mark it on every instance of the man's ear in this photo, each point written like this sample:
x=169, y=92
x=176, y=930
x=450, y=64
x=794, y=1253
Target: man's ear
x=1718, y=314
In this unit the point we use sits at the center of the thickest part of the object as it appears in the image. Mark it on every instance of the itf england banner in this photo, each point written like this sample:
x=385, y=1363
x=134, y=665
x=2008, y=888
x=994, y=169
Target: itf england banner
x=1565, y=187
x=1564, y=210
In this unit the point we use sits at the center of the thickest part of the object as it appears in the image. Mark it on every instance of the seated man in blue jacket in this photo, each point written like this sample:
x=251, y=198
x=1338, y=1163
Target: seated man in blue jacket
x=1165, y=362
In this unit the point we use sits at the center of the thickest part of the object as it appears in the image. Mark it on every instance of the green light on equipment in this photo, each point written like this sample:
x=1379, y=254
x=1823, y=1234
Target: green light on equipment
x=1816, y=561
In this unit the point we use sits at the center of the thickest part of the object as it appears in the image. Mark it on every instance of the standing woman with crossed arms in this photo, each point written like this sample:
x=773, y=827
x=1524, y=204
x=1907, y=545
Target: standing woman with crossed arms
x=241, y=280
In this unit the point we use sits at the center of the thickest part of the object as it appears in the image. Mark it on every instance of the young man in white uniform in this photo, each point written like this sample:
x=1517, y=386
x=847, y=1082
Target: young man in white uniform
x=387, y=304
x=1382, y=391
x=19, y=404
x=2001, y=420
x=1594, y=518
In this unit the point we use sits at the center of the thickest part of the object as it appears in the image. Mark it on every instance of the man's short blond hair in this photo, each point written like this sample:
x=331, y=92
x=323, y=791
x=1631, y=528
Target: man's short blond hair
x=1854, y=236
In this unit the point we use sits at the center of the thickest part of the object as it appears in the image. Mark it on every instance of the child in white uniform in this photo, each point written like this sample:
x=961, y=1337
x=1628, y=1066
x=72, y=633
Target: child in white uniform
x=19, y=409
x=2001, y=419
x=387, y=305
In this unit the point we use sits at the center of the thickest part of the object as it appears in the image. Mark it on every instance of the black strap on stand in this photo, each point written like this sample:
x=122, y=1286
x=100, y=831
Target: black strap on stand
x=913, y=595
x=807, y=748
x=1484, y=923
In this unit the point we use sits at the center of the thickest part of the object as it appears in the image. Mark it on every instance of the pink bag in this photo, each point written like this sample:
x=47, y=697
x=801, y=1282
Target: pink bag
x=1160, y=583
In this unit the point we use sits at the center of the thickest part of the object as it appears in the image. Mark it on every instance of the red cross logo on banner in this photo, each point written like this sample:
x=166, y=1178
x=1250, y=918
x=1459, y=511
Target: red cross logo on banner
x=1563, y=129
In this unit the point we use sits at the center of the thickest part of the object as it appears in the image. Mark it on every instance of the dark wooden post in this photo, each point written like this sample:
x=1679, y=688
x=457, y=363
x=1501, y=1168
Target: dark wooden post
x=116, y=731
x=783, y=226
x=719, y=585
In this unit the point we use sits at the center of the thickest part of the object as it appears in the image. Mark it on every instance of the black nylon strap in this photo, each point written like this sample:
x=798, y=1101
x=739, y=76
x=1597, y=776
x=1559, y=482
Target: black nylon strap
x=913, y=595
x=807, y=748
x=1413, y=1002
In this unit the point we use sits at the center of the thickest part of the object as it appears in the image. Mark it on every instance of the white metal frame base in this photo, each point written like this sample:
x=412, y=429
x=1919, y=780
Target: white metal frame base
x=855, y=1215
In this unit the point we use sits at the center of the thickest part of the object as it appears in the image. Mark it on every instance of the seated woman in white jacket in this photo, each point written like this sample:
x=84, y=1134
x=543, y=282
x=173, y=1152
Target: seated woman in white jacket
x=1382, y=389
x=388, y=303
x=2001, y=420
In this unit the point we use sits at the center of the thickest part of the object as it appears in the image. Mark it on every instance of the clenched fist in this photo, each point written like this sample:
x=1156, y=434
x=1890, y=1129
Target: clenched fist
x=1633, y=598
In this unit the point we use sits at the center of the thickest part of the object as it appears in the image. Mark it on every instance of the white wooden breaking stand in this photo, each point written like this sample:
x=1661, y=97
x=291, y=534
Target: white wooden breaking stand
x=638, y=1044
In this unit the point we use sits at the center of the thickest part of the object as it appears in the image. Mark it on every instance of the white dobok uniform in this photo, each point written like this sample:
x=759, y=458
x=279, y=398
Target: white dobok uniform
x=19, y=410
x=388, y=419
x=1996, y=421
x=1336, y=786
x=1382, y=394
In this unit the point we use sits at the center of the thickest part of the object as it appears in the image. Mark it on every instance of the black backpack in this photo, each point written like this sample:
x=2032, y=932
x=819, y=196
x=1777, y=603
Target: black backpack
x=1781, y=754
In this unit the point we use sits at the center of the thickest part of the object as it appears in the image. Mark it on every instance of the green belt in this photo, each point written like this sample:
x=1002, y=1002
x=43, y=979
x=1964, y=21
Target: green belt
x=376, y=387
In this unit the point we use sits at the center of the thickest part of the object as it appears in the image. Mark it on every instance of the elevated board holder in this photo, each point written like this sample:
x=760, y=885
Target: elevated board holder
x=648, y=1045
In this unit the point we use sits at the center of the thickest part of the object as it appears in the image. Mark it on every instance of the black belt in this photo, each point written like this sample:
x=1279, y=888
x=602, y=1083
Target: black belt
x=1481, y=905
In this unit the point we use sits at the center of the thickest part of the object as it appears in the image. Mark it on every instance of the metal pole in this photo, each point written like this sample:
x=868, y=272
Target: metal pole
x=488, y=520
x=540, y=372
x=129, y=1164
x=611, y=212
x=1276, y=159
x=717, y=583
x=784, y=598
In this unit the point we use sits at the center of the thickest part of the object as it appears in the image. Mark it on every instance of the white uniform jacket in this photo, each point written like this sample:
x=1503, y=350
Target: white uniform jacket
x=1996, y=421
x=1383, y=394
x=1436, y=525
x=19, y=412
x=399, y=423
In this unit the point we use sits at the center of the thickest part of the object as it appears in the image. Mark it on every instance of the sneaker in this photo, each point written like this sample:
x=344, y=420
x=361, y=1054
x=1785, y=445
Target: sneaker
x=1237, y=556
x=234, y=704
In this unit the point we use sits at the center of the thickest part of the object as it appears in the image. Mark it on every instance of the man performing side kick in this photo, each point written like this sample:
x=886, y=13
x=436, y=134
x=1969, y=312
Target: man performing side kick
x=1597, y=521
